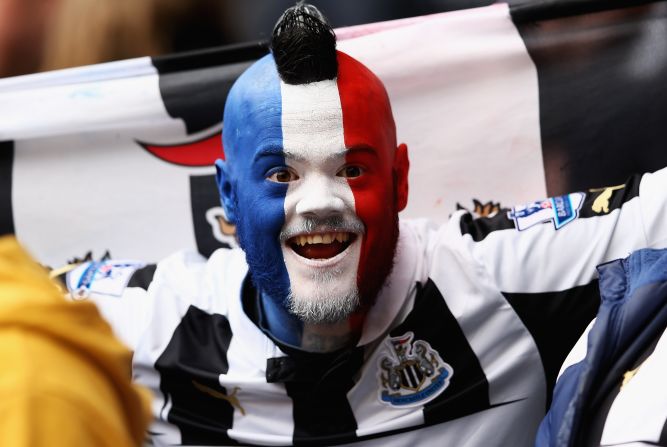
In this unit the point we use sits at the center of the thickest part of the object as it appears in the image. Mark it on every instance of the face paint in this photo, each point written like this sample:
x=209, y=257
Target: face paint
x=370, y=135
x=347, y=117
x=252, y=137
x=323, y=235
x=314, y=187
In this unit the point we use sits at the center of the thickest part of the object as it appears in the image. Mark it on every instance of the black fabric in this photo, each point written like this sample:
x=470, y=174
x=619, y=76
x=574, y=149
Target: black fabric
x=481, y=227
x=431, y=321
x=193, y=360
x=142, y=277
x=609, y=198
x=602, y=92
x=529, y=10
x=318, y=385
x=556, y=320
x=598, y=201
x=194, y=86
x=6, y=207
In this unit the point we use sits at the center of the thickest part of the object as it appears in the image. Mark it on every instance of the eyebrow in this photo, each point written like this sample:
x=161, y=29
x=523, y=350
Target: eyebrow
x=363, y=148
x=269, y=151
x=273, y=151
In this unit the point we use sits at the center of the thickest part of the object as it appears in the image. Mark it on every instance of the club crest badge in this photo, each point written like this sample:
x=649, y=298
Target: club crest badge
x=412, y=373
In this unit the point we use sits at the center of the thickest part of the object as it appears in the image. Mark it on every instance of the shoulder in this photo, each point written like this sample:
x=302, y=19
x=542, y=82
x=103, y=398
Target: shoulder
x=188, y=271
x=432, y=243
x=581, y=208
x=130, y=293
x=182, y=270
x=187, y=278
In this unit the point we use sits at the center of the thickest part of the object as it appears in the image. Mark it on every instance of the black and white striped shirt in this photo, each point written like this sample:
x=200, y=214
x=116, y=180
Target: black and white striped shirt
x=461, y=348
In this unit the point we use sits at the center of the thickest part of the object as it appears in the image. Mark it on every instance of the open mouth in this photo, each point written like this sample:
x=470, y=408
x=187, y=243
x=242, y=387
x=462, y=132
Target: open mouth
x=321, y=245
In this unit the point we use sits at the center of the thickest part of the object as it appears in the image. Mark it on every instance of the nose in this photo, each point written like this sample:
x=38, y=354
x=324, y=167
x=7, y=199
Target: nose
x=320, y=198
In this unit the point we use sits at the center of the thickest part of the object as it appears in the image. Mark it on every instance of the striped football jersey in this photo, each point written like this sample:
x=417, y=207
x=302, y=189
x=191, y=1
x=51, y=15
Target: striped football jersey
x=462, y=346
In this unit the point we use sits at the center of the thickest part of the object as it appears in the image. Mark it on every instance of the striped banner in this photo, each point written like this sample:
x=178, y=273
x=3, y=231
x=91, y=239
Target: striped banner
x=498, y=105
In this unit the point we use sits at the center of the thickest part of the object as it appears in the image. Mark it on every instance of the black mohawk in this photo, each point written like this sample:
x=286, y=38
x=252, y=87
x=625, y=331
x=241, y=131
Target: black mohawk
x=304, y=46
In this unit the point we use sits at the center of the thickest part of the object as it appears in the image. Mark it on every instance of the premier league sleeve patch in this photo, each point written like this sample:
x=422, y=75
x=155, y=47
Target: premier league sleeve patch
x=560, y=210
x=100, y=278
x=411, y=373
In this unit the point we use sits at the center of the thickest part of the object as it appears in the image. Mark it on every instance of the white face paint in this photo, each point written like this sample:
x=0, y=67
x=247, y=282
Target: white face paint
x=319, y=205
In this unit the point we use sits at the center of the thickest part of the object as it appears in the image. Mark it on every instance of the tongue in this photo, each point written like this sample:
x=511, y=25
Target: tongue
x=319, y=251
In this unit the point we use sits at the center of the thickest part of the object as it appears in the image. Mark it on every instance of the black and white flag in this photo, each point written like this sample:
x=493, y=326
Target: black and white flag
x=498, y=105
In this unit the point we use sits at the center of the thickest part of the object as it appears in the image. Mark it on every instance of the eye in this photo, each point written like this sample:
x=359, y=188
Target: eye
x=283, y=175
x=350, y=171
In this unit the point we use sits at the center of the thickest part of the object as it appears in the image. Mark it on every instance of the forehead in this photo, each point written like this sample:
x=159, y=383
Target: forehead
x=308, y=120
x=312, y=119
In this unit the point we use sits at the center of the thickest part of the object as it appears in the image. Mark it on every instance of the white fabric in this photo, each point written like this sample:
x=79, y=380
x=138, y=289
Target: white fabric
x=471, y=289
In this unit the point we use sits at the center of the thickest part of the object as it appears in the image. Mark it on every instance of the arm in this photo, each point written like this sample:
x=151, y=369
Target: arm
x=545, y=266
x=530, y=250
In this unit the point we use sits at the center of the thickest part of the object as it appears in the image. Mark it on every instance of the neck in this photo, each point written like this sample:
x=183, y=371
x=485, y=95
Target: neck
x=319, y=337
x=328, y=337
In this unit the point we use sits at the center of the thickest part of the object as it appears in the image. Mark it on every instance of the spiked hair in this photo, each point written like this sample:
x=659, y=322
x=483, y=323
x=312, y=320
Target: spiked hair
x=304, y=46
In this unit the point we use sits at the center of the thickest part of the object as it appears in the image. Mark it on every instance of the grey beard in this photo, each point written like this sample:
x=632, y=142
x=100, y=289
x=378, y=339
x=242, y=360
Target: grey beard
x=324, y=308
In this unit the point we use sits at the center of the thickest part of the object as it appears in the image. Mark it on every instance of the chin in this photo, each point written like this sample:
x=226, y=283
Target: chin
x=323, y=289
x=324, y=309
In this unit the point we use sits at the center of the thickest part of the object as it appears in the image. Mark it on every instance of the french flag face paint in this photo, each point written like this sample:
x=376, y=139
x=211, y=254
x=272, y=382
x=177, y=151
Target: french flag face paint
x=253, y=142
x=315, y=182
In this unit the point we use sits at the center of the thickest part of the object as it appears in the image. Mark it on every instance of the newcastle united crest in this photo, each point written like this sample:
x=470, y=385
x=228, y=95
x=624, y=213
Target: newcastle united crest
x=412, y=374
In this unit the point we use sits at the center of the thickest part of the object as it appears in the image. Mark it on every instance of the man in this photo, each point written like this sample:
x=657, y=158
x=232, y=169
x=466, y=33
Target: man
x=336, y=323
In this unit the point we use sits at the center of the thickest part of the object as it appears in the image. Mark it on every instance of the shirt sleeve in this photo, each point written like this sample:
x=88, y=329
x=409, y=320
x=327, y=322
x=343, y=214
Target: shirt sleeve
x=555, y=244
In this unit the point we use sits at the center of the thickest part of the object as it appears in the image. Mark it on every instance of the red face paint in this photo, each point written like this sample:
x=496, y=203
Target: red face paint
x=370, y=136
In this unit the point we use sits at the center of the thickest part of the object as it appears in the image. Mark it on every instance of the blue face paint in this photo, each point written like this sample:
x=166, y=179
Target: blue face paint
x=253, y=143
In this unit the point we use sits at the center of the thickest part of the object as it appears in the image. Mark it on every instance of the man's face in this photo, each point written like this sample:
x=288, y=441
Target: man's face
x=313, y=177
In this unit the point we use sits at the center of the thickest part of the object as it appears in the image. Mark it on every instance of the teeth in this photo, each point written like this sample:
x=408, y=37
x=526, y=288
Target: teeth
x=325, y=238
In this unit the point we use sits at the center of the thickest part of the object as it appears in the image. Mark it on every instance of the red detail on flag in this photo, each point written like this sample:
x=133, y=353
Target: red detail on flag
x=202, y=152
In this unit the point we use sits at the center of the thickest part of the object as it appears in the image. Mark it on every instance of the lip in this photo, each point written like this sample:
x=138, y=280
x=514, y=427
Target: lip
x=322, y=263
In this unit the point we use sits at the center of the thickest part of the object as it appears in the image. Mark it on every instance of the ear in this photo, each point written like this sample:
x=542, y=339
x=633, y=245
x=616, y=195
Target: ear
x=226, y=190
x=401, y=168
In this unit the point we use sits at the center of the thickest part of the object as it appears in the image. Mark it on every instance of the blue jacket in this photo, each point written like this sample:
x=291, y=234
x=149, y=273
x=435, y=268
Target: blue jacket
x=632, y=314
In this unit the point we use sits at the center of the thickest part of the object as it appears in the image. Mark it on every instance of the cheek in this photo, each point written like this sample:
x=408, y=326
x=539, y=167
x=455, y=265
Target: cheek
x=374, y=201
x=261, y=217
x=375, y=205
x=263, y=212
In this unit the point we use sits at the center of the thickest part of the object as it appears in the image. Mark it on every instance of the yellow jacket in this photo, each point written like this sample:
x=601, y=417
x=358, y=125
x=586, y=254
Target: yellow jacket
x=64, y=378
